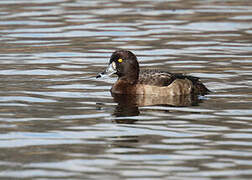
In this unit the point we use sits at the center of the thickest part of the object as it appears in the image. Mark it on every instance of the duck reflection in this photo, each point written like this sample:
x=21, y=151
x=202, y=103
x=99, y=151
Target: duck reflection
x=128, y=105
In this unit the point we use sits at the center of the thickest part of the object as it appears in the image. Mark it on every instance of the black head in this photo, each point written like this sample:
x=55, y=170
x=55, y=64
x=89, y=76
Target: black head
x=124, y=64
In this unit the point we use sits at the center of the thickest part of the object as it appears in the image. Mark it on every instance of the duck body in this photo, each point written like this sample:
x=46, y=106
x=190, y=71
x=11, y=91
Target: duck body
x=132, y=80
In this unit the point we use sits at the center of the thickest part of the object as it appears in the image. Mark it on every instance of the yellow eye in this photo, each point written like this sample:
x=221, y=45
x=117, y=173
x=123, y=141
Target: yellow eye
x=120, y=60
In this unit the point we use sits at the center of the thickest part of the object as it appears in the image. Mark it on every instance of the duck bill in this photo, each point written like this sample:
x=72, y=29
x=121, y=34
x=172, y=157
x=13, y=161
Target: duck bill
x=108, y=72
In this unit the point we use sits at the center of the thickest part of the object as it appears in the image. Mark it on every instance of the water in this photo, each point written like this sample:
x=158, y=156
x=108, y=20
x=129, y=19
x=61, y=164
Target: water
x=58, y=122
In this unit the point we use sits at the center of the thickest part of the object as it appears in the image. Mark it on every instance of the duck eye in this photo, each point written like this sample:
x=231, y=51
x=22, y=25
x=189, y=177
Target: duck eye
x=120, y=60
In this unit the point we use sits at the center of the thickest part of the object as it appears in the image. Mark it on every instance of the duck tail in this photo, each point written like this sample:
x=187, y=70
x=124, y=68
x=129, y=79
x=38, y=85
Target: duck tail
x=201, y=89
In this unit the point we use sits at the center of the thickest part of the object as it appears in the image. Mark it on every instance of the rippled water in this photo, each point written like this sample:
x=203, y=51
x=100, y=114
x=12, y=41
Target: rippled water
x=58, y=122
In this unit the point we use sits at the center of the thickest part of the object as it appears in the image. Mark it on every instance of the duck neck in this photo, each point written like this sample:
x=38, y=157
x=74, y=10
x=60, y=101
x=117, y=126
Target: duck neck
x=130, y=79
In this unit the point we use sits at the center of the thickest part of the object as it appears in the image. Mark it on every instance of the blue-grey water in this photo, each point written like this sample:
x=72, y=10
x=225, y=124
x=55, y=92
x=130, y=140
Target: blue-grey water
x=58, y=122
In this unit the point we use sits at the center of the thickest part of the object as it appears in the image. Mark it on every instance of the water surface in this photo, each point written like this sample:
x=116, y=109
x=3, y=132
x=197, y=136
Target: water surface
x=58, y=122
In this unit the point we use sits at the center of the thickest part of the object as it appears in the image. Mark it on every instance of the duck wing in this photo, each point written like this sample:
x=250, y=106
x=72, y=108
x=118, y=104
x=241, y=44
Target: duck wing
x=155, y=77
x=163, y=78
